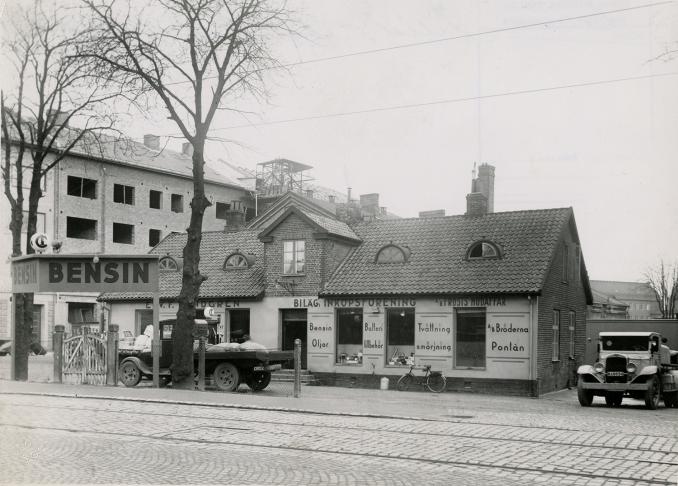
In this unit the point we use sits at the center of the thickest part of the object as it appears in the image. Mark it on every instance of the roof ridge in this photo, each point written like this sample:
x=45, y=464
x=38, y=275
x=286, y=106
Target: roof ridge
x=451, y=216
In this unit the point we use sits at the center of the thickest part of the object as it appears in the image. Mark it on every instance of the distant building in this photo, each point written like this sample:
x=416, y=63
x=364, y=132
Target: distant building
x=610, y=297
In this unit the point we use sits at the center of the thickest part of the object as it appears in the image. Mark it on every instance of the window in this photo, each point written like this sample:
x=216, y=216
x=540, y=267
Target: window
x=123, y=233
x=294, y=257
x=222, y=209
x=470, y=338
x=483, y=249
x=237, y=260
x=556, y=336
x=177, y=203
x=153, y=237
x=81, y=313
x=576, y=263
x=84, y=229
x=573, y=326
x=81, y=187
x=39, y=224
x=399, y=336
x=566, y=262
x=123, y=194
x=239, y=324
x=168, y=264
x=155, y=199
x=350, y=336
x=391, y=254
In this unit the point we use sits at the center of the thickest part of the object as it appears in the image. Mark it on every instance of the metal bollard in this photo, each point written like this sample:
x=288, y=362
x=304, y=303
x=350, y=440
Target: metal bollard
x=201, y=332
x=58, y=345
x=297, y=368
x=112, y=355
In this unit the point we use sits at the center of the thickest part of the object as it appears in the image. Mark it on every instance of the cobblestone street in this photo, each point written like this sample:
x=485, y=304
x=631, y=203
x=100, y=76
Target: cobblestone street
x=458, y=439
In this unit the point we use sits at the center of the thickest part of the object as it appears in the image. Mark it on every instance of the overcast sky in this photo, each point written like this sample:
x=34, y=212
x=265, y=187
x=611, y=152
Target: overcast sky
x=568, y=102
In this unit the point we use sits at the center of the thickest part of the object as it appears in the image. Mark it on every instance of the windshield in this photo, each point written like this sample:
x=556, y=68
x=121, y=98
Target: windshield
x=624, y=343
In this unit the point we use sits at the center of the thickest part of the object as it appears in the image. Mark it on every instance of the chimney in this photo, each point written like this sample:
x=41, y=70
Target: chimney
x=309, y=193
x=436, y=213
x=152, y=141
x=235, y=217
x=476, y=204
x=369, y=205
x=486, y=184
x=332, y=199
x=348, y=198
x=187, y=149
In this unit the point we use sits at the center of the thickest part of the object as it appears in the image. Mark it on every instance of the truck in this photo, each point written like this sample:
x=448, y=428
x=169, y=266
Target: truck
x=630, y=364
x=228, y=365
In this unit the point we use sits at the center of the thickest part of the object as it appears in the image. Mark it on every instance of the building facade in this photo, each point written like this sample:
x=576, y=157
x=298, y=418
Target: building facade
x=637, y=297
x=125, y=200
x=497, y=301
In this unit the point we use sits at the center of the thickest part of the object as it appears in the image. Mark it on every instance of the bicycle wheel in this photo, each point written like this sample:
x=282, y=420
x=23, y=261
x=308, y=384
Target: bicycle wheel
x=436, y=383
x=405, y=382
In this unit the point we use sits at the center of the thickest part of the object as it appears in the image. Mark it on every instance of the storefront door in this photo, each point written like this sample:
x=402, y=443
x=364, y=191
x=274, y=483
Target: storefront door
x=294, y=327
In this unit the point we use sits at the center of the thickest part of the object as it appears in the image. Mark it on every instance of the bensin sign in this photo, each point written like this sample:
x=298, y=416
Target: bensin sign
x=79, y=273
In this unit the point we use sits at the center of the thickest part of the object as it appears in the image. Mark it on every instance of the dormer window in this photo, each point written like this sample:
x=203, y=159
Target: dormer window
x=236, y=260
x=483, y=249
x=168, y=264
x=391, y=254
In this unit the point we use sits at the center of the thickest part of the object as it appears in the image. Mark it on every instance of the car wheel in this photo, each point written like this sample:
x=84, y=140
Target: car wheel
x=258, y=380
x=652, y=394
x=614, y=399
x=130, y=374
x=226, y=377
x=585, y=396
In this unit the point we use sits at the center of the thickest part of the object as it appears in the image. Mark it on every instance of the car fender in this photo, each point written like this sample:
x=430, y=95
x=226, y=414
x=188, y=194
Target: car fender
x=140, y=364
x=648, y=370
x=586, y=370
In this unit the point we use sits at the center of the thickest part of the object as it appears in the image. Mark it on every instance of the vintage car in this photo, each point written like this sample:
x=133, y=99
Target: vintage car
x=630, y=364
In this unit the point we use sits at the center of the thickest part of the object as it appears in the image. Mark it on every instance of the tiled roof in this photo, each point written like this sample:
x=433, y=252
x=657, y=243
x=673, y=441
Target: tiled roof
x=601, y=298
x=216, y=246
x=437, y=261
x=624, y=290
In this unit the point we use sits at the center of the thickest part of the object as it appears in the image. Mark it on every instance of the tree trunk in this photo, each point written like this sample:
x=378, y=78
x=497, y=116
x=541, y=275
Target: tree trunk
x=20, y=357
x=182, y=336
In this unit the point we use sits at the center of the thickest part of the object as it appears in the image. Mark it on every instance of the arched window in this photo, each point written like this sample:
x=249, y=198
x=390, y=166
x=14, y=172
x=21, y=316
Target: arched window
x=483, y=249
x=391, y=254
x=236, y=260
x=168, y=264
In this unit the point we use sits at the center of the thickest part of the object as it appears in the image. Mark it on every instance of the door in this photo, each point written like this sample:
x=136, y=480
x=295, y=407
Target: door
x=142, y=318
x=294, y=327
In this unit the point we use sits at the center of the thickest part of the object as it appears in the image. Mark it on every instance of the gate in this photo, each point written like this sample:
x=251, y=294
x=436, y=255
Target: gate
x=84, y=360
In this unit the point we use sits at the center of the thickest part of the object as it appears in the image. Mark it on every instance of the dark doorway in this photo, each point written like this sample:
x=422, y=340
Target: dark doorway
x=294, y=327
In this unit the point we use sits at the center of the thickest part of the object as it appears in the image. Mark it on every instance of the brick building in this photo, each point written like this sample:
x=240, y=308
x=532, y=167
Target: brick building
x=497, y=301
x=637, y=297
x=123, y=200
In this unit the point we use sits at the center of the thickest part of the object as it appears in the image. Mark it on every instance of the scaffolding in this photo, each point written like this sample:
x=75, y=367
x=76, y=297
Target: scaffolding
x=279, y=176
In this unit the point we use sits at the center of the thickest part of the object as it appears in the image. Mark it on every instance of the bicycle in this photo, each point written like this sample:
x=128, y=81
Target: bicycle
x=433, y=380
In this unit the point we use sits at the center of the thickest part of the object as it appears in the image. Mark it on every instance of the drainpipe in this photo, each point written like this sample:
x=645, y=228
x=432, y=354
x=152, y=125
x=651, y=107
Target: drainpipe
x=102, y=230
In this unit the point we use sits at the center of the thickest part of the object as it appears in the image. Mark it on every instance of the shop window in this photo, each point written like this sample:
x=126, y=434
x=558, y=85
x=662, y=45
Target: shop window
x=573, y=326
x=236, y=260
x=349, y=336
x=555, y=356
x=81, y=187
x=470, y=338
x=483, y=249
x=177, y=203
x=222, y=210
x=82, y=313
x=391, y=254
x=239, y=325
x=294, y=257
x=155, y=199
x=123, y=233
x=123, y=194
x=153, y=237
x=81, y=228
x=400, y=336
x=168, y=264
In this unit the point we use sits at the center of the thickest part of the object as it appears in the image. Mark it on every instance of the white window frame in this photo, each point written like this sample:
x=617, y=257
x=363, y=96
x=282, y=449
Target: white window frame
x=572, y=328
x=555, y=355
x=297, y=250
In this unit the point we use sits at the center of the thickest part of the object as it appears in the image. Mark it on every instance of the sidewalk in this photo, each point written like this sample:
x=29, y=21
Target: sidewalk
x=313, y=399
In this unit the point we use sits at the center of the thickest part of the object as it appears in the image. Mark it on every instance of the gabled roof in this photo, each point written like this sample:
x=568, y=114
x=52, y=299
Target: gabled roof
x=215, y=247
x=273, y=212
x=321, y=224
x=624, y=290
x=601, y=298
x=437, y=263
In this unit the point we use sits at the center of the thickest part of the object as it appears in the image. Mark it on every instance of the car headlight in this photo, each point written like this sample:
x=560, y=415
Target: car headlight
x=631, y=368
x=599, y=368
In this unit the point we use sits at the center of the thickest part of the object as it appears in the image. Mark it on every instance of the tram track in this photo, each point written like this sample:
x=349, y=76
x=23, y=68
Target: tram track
x=549, y=471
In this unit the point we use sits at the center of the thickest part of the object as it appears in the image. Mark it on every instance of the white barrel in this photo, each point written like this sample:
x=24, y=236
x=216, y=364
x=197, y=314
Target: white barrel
x=384, y=383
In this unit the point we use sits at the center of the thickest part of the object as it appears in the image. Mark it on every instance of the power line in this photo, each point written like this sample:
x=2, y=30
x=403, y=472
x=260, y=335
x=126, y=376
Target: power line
x=440, y=102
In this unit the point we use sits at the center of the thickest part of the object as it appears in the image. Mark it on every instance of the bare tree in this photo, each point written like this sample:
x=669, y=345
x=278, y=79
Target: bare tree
x=50, y=89
x=663, y=280
x=196, y=57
